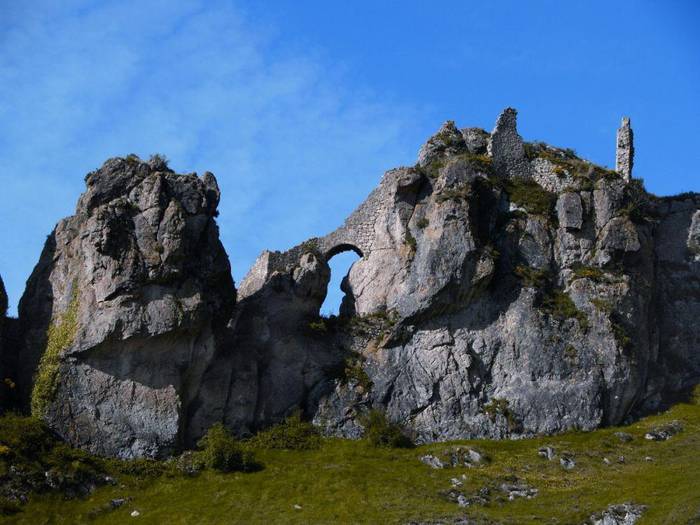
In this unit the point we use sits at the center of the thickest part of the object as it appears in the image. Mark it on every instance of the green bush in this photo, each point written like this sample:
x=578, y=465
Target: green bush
x=558, y=304
x=25, y=437
x=380, y=432
x=354, y=371
x=220, y=451
x=292, y=434
x=531, y=196
x=589, y=272
x=532, y=277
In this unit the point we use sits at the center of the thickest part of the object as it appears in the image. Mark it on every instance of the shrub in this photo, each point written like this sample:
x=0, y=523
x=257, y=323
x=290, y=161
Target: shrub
x=532, y=277
x=25, y=436
x=531, y=196
x=292, y=434
x=318, y=326
x=354, y=371
x=589, y=272
x=501, y=407
x=422, y=223
x=158, y=162
x=457, y=193
x=220, y=451
x=410, y=241
x=380, y=432
x=558, y=304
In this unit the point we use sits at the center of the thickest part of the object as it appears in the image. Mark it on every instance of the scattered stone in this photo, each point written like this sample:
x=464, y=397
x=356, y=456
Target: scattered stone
x=621, y=459
x=462, y=501
x=622, y=514
x=297, y=507
x=518, y=490
x=624, y=437
x=648, y=458
x=547, y=452
x=664, y=432
x=432, y=461
x=606, y=461
x=116, y=503
x=456, y=482
x=474, y=457
x=567, y=462
x=135, y=514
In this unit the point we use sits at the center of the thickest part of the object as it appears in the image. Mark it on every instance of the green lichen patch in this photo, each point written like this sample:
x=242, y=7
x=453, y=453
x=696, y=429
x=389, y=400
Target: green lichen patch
x=59, y=337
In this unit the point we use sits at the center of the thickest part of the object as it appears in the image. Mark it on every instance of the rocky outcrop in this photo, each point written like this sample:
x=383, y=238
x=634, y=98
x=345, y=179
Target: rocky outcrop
x=3, y=344
x=503, y=289
x=3, y=312
x=120, y=316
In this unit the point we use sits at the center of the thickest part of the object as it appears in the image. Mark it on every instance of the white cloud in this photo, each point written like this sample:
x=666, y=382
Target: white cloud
x=295, y=142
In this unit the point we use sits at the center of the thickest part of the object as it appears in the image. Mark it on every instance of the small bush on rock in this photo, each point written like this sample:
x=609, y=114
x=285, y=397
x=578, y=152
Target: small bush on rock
x=380, y=432
x=220, y=451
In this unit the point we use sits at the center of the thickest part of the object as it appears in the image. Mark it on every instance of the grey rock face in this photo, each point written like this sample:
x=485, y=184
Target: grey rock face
x=3, y=345
x=570, y=211
x=496, y=295
x=139, y=282
x=694, y=235
x=477, y=140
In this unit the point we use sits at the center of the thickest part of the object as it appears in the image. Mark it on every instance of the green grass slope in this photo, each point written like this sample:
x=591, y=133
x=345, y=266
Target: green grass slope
x=345, y=481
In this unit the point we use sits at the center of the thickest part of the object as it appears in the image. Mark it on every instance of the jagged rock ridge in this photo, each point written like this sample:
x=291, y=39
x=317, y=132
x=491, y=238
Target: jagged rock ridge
x=503, y=289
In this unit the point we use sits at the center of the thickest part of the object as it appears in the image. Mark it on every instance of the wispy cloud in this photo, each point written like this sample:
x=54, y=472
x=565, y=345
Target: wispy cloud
x=295, y=141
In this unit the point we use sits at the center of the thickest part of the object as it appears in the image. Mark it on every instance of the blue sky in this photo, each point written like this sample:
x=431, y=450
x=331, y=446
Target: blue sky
x=299, y=107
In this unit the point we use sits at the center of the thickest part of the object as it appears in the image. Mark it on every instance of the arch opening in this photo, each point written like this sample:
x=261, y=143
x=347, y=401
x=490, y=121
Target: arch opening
x=342, y=248
x=339, y=299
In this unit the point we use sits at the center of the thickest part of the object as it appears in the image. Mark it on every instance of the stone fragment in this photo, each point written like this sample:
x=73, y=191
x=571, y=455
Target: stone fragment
x=624, y=437
x=664, y=432
x=567, y=462
x=570, y=211
x=620, y=514
x=477, y=140
x=547, y=452
x=432, y=461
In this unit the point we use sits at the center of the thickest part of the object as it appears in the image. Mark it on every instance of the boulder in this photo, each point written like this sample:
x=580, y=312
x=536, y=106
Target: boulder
x=620, y=514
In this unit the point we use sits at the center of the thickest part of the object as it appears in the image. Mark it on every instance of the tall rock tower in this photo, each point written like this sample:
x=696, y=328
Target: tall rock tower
x=624, y=158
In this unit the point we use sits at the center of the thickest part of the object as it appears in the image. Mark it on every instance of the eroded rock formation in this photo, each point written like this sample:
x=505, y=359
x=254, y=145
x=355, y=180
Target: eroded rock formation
x=119, y=316
x=503, y=288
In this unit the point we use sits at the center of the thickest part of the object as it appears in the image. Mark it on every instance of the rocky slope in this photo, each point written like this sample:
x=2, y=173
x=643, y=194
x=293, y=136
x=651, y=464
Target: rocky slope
x=504, y=289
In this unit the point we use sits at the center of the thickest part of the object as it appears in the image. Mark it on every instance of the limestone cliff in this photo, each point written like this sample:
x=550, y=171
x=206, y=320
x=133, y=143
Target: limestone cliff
x=503, y=288
x=119, y=315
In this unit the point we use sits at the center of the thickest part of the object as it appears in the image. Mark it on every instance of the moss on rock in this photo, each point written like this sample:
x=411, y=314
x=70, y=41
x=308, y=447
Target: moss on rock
x=59, y=337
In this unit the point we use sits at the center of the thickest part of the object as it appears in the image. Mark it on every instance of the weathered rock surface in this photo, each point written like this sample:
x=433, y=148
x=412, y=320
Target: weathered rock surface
x=503, y=289
x=622, y=514
x=135, y=284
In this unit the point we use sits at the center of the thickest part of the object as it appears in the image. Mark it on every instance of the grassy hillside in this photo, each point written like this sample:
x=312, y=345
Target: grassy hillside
x=352, y=482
